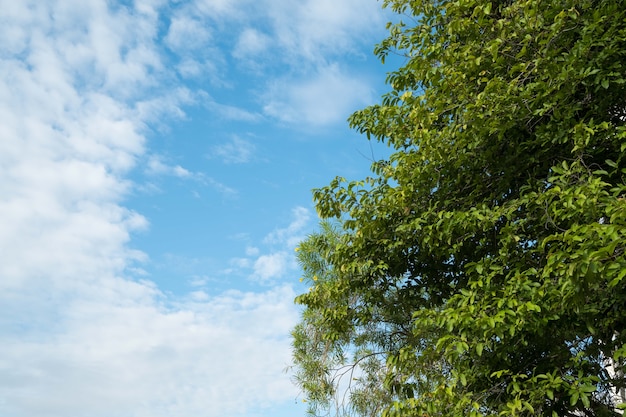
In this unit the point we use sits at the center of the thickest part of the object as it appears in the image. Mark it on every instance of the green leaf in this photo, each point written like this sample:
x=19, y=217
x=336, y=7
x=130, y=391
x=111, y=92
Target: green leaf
x=585, y=399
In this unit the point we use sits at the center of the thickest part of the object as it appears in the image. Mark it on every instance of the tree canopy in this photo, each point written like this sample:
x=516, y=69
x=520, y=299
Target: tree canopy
x=480, y=270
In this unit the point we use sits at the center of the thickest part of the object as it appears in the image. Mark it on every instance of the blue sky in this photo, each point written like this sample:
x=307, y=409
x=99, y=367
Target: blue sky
x=156, y=166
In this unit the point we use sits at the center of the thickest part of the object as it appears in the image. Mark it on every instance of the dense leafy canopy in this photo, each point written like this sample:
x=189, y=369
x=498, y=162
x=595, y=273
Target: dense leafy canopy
x=481, y=270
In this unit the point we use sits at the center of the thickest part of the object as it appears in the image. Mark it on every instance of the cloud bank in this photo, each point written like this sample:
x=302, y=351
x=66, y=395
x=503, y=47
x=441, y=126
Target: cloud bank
x=79, y=335
x=82, y=86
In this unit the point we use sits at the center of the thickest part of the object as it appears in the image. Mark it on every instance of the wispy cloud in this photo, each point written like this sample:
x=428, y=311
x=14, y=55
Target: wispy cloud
x=186, y=33
x=292, y=234
x=275, y=259
x=232, y=112
x=236, y=151
x=156, y=166
x=219, y=186
x=270, y=266
x=298, y=41
x=251, y=42
x=328, y=96
x=317, y=29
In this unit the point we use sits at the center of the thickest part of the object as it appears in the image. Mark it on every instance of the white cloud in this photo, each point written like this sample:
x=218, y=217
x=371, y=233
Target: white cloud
x=240, y=263
x=279, y=259
x=327, y=97
x=292, y=234
x=237, y=151
x=220, y=187
x=251, y=42
x=313, y=29
x=166, y=106
x=156, y=166
x=193, y=37
x=270, y=266
x=187, y=33
x=219, y=9
x=311, y=35
x=199, y=281
x=233, y=113
x=252, y=251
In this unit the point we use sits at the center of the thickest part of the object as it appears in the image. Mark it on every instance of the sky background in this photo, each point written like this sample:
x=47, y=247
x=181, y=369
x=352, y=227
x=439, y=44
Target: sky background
x=156, y=165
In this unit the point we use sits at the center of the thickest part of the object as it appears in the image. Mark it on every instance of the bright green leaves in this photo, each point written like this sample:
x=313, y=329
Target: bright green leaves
x=481, y=269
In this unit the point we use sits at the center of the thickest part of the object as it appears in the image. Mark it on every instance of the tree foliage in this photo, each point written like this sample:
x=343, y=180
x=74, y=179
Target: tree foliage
x=481, y=270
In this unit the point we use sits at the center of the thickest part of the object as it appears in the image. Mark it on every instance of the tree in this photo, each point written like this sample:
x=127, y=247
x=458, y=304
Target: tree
x=480, y=270
x=338, y=355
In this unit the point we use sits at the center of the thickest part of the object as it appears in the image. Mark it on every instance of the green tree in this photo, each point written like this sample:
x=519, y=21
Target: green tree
x=338, y=354
x=480, y=270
